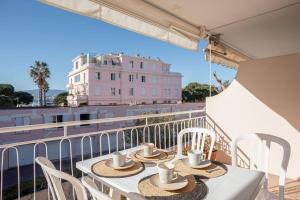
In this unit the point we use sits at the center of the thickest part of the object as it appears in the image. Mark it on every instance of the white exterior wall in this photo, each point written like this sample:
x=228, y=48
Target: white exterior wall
x=264, y=98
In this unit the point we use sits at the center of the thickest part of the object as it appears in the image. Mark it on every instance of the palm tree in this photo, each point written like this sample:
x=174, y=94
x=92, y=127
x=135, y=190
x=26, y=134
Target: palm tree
x=40, y=72
x=45, y=90
x=223, y=84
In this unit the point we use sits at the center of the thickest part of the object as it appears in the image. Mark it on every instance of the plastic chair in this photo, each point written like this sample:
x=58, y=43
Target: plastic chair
x=264, y=143
x=54, y=177
x=199, y=135
x=93, y=189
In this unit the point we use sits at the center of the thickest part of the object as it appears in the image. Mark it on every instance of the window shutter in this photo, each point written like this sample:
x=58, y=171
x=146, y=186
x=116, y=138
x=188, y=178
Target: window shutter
x=66, y=117
x=26, y=121
x=47, y=119
x=93, y=115
x=77, y=117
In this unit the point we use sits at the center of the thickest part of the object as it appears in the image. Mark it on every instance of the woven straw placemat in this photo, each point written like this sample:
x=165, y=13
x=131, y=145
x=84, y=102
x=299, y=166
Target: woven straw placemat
x=216, y=169
x=101, y=169
x=192, y=191
x=162, y=157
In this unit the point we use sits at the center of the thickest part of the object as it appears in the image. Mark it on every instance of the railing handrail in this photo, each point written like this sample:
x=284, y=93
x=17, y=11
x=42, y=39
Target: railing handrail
x=93, y=121
x=9, y=145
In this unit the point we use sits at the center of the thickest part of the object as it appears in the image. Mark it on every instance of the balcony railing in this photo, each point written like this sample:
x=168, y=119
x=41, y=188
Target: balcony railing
x=70, y=86
x=123, y=132
x=77, y=98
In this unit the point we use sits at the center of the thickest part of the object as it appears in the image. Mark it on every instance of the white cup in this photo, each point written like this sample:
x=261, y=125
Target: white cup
x=119, y=159
x=148, y=149
x=166, y=172
x=195, y=157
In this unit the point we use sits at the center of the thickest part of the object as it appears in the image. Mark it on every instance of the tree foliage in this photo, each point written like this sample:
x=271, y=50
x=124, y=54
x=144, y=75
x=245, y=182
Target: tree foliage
x=7, y=95
x=23, y=97
x=7, y=90
x=196, y=92
x=61, y=99
x=10, y=98
x=222, y=84
x=6, y=101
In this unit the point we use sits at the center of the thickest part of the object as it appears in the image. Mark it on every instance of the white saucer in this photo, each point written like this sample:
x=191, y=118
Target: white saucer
x=129, y=163
x=155, y=153
x=176, y=184
x=203, y=164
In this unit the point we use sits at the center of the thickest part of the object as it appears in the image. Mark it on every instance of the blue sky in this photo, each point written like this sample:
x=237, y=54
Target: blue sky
x=33, y=31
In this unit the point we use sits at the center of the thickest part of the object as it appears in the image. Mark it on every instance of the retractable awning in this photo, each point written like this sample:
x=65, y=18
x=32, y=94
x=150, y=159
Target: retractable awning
x=248, y=29
x=220, y=53
x=138, y=16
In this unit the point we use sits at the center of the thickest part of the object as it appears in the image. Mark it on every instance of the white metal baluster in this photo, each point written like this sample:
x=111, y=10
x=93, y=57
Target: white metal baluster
x=165, y=137
x=137, y=136
x=190, y=123
x=169, y=134
x=157, y=126
x=177, y=132
x=174, y=136
x=148, y=129
x=189, y=134
x=124, y=142
x=117, y=135
x=203, y=123
x=91, y=146
x=117, y=141
x=108, y=142
x=144, y=134
x=34, y=167
x=151, y=126
x=18, y=170
x=182, y=125
x=100, y=146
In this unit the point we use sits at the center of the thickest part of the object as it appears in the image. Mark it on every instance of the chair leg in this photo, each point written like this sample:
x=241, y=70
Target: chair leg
x=115, y=195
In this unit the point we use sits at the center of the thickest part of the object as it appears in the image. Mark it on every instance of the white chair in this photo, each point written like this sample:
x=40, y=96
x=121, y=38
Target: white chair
x=264, y=143
x=199, y=135
x=54, y=177
x=93, y=189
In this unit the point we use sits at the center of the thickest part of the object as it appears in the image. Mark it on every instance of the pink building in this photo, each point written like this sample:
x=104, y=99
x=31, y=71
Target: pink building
x=122, y=79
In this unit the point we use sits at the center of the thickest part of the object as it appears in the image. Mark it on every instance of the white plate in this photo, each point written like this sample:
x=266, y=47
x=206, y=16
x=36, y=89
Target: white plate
x=129, y=163
x=203, y=164
x=176, y=184
x=155, y=153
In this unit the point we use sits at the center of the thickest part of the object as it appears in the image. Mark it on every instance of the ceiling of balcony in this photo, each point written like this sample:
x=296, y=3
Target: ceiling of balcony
x=256, y=28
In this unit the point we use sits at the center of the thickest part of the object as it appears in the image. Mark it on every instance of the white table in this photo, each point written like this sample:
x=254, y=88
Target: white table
x=237, y=183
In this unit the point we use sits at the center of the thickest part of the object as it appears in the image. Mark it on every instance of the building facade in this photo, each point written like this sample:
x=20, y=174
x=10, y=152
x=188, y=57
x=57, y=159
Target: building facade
x=122, y=79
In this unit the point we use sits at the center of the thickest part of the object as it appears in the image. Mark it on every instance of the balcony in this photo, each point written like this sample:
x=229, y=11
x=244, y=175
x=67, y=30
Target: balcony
x=68, y=148
x=70, y=86
x=103, y=137
x=77, y=98
x=251, y=103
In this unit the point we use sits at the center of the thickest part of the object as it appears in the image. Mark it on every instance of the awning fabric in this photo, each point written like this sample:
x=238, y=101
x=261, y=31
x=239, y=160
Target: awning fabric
x=138, y=16
x=224, y=55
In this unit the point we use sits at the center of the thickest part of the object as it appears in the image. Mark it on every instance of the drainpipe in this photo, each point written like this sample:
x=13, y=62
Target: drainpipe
x=87, y=58
x=210, y=70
